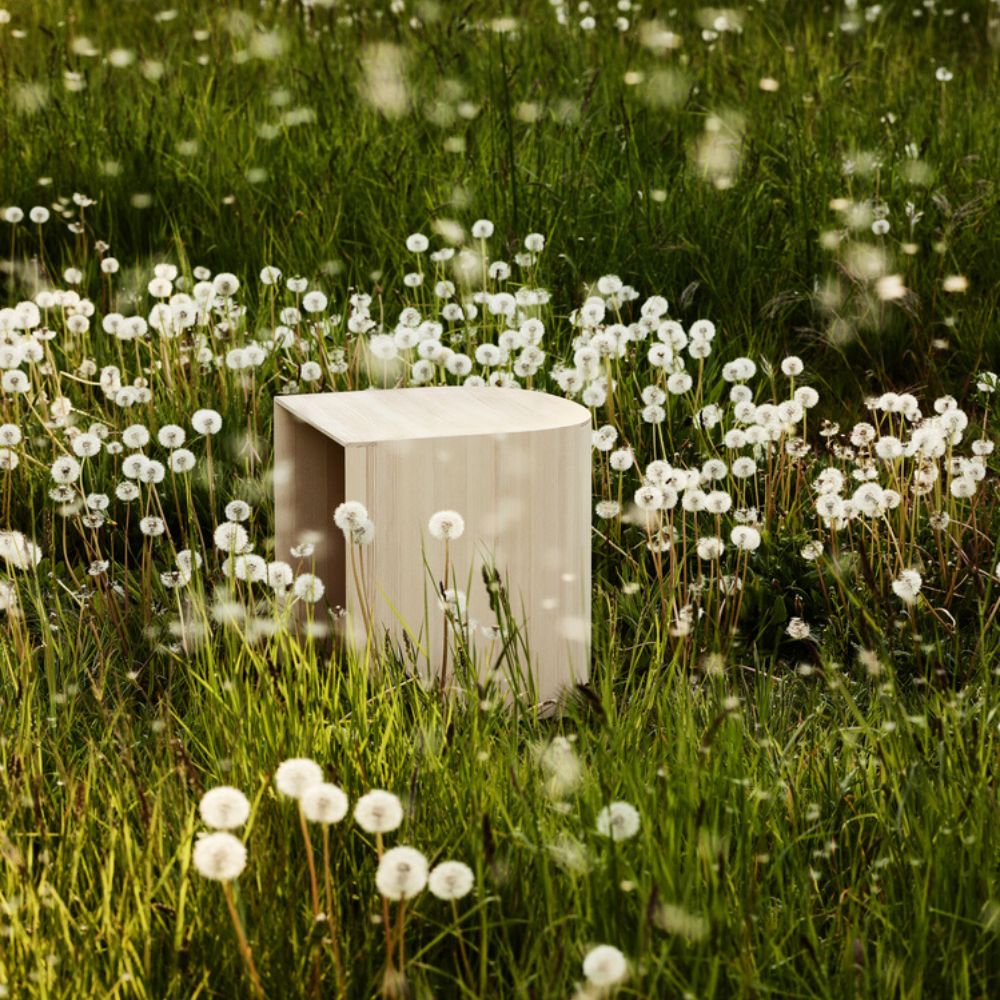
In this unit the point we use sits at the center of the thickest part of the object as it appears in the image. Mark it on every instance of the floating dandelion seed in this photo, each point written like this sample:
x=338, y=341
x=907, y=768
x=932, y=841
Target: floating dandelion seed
x=383, y=84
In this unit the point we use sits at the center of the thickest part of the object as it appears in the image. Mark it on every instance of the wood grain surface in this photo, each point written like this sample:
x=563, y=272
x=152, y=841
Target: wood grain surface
x=514, y=463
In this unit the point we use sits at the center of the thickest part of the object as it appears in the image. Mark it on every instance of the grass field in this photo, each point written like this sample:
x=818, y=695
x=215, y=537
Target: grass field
x=760, y=244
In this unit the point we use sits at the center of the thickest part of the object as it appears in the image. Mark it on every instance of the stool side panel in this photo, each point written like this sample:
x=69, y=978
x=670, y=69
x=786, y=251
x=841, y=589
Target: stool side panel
x=526, y=502
x=308, y=485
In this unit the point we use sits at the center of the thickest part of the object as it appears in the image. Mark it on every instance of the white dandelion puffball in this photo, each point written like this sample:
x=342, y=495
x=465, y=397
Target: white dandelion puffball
x=297, y=774
x=231, y=537
x=17, y=551
x=224, y=808
x=206, y=421
x=619, y=821
x=451, y=880
x=797, y=628
x=238, y=510
x=324, y=803
x=219, y=856
x=378, y=811
x=446, y=525
x=364, y=535
x=746, y=538
x=226, y=284
x=170, y=436
x=402, y=873
x=309, y=588
x=907, y=586
x=604, y=966
x=350, y=515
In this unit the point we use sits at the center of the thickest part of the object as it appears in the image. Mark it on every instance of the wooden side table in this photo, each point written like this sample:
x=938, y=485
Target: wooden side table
x=514, y=463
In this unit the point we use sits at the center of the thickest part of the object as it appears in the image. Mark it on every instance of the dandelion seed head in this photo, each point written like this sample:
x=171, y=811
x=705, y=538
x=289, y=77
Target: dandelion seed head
x=446, y=525
x=224, y=808
x=618, y=820
x=451, y=880
x=907, y=586
x=350, y=515
x=294, y=775
x=402, y=873
x=17, y=551
x=324, y=803
x=231, y=537
x=378, y=811
x=219, y=856
x=605, y=966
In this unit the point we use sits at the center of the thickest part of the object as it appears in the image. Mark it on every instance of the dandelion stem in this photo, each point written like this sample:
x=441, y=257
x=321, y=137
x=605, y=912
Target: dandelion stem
x=313, y=883
x=227, y=890
x=444, y=637
x=331, y=914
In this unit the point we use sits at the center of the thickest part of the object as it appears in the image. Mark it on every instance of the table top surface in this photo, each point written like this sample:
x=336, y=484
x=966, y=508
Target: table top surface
x=373, y=415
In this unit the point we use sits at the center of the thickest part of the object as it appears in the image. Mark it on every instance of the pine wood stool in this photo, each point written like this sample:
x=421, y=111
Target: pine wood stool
x=514, y=463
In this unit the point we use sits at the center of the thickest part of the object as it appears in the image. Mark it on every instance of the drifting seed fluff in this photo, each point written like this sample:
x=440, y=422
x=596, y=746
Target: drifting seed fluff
x=295, y=775
x=560, y=766
x=378, y=811
x=219, y=856
x=324, y=803
x=224, y=808
x=383, y=84
x=619, y=821
x=446, y=525
x=402, y=873
x=451, y=880
x=605, y=966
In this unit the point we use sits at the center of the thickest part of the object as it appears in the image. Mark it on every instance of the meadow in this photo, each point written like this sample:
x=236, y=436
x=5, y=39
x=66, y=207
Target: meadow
x=760, y=244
